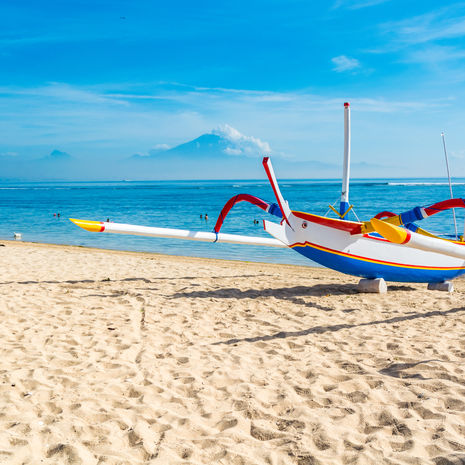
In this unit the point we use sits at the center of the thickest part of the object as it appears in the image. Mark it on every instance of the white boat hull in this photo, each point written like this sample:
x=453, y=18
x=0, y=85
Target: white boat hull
x=367, y=256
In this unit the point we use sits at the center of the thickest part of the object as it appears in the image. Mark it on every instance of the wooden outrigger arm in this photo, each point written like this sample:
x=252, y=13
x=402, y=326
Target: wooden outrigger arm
x=120, y=228
x=407, y=238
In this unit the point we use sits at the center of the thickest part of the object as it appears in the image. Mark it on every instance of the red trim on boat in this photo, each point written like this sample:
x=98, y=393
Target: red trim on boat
x=385, y=214
x=233, y=201
x=371, y=260
x=367, y=236
x=408, y=237
x=268, y=173
x=350, y=226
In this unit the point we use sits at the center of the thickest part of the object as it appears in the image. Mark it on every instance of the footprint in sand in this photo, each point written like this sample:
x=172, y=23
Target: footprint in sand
x=402, y=446
x=320, y=438
x=184, y=452
x=262, y=434
x=454, y=404
x=66, y=451
x=290, y=425
x=227, y=423
x=357, y=396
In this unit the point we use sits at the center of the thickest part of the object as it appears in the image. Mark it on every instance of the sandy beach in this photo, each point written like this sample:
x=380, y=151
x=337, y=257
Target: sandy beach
x=130, y=358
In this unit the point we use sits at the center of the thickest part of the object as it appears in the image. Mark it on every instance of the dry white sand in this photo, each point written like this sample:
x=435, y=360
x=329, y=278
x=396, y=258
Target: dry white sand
x=128, y=358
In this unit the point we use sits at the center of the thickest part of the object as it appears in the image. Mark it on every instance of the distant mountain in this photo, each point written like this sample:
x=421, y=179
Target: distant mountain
x=57, y=155
x=223, y=142
x=205, y=146
x=224, y=153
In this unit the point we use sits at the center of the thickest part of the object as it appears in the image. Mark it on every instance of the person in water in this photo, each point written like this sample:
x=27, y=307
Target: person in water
x=206, y=216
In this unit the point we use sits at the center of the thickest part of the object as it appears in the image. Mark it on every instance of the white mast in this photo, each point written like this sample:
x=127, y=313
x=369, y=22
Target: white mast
x=344, y=205
x=450, y=184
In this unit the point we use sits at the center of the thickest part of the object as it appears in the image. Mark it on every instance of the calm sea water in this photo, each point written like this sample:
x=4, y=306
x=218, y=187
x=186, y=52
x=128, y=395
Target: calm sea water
x=28, y=208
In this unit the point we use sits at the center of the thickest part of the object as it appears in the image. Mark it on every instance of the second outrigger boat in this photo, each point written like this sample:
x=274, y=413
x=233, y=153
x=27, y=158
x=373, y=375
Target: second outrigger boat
x=389, y=246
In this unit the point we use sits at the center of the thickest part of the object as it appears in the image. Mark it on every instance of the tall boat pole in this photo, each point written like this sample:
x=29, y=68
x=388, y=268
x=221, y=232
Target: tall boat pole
x=344, y=205
x=450, y=184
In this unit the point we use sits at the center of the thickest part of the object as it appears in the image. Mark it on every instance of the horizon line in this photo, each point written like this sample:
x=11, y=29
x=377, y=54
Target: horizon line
x=29, y=181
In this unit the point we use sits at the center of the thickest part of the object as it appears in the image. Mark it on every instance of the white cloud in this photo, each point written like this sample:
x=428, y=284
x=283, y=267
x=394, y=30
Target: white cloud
x=458, y=154
x=445, y=23
x=302, y=122
x=241, y=144
x=433, y=39
x=158, y=147
x=344, y=63
x=435, y=54
x=231, y=151
x=155, y=150
x=9, y=154
x=60, y=92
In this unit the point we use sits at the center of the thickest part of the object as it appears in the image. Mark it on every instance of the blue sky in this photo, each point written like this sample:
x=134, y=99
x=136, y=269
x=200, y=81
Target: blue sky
x=102, y=81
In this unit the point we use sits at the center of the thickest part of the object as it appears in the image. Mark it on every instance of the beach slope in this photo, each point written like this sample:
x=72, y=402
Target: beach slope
x=130, y=358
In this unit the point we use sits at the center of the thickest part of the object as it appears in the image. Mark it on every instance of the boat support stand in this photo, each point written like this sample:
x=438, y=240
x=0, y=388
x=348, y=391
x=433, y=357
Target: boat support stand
x=445, y=286
x=375, y=286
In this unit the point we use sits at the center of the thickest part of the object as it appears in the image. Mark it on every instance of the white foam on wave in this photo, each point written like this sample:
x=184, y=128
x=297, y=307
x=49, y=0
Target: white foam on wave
x=425, y=183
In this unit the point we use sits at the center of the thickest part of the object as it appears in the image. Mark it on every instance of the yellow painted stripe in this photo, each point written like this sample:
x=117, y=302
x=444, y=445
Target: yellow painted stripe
x=92, y=226
x=428, y=234
x=371, y=260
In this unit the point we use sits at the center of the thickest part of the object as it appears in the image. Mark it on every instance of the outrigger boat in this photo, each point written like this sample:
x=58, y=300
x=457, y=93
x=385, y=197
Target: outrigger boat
x=389, y=246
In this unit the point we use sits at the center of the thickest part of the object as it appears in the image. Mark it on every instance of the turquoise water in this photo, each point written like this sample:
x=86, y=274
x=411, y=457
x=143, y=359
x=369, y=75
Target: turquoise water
x=28, y=208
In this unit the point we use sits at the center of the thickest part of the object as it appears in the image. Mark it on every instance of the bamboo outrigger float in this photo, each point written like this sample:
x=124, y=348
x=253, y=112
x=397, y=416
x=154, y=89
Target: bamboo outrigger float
x=389, y=246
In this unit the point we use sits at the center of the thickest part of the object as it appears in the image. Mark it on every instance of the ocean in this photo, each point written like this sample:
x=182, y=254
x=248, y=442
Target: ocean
x=29, y=208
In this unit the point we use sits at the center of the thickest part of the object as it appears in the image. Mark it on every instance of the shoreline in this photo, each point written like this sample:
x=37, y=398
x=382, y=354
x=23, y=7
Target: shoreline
x=187, y=257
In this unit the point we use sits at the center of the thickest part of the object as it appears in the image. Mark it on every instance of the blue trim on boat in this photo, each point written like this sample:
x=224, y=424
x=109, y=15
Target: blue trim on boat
x=366, y=269
x=343, y=207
